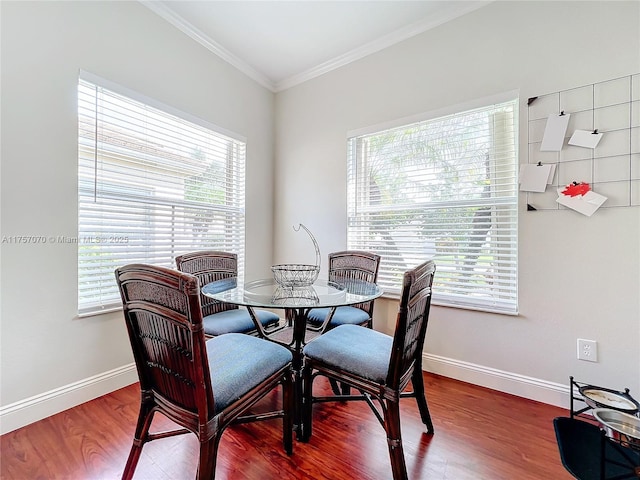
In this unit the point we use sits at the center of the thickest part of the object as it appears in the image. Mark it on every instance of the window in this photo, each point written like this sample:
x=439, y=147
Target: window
x=443, y=188
x=152, y=184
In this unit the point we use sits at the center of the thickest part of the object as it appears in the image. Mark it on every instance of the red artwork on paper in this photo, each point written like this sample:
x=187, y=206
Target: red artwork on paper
x=574, y=189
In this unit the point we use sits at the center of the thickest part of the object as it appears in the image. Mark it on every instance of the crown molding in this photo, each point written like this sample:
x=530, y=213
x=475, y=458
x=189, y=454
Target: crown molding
x=337, y=62
x=377, y=45
x=181, y=24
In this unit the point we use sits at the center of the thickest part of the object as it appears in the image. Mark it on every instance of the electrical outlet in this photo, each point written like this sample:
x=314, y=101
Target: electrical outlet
x=587, y=350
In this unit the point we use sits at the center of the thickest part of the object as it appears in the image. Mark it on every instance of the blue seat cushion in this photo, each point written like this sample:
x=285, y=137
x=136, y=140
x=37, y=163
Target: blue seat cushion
x=342, y=316
x=361, y=351
x=239, y=362
x=236, y=320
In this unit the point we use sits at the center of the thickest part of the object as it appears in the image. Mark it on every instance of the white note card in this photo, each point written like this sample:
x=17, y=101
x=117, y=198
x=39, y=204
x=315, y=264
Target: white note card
x=585, y=204
x=554, y=132
x=585, y=138
x=535, y=178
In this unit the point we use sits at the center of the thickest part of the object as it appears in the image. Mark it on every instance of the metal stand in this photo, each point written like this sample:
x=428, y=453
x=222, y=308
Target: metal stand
x=619, y=440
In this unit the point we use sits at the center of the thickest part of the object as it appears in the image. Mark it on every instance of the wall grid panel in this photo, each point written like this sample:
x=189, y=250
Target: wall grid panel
x=612, y=168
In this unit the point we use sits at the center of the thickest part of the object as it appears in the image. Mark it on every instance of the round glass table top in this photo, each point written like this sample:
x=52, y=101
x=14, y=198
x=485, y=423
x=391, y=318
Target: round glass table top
x=267, y=293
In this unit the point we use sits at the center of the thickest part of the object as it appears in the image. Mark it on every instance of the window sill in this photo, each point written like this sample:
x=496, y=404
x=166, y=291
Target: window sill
x=99, y=311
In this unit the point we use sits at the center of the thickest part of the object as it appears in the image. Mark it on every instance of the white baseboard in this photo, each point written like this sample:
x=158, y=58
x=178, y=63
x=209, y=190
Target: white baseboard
x=24, y=412
x=522, y=386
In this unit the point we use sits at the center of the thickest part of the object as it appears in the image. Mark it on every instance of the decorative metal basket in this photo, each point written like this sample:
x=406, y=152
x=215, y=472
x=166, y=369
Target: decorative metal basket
x=296, y=274
x=298, y=296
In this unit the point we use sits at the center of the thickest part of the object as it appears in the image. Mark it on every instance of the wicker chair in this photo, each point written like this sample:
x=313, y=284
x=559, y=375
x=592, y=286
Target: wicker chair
x=345, y=266
x=203, y=386
x=221, y=318
x=587, y=454
x=378, y=365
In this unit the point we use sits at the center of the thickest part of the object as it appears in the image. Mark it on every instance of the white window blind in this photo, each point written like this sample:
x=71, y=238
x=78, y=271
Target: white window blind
x=444, y=188
x=151, y=186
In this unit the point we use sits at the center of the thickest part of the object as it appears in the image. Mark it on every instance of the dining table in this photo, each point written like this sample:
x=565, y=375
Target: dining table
x=296, y=302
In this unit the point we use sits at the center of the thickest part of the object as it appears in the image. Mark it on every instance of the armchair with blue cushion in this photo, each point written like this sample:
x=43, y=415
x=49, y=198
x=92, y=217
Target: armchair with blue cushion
x=201, y=385
x=219, y=317
x=344, y=267
x=379, y=366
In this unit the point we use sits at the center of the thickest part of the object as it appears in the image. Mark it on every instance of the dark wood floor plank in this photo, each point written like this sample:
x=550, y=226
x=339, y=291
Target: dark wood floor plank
x=480, y=434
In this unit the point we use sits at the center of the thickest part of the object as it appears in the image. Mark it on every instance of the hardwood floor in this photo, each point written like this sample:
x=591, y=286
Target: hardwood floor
x=479, y=434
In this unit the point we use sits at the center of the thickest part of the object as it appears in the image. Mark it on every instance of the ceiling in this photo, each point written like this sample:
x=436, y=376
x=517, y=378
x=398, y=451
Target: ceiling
x=283, y=43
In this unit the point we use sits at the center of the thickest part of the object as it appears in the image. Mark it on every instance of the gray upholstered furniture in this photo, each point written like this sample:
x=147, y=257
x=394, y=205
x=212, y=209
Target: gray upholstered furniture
x=378, y=365
x=347, y=266
x=220, y=317
x=203, y=386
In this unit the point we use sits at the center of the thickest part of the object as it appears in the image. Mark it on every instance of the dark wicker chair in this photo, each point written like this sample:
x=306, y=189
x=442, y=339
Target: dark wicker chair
x=343, y=267
x=378, y=365
x=203, y=386
x=587, y=454
x=221, y=318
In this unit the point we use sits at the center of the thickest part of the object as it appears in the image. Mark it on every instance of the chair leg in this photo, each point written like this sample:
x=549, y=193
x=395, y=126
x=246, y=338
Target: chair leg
x=139, y=439
x=208, y=458
x=339, y=388
x=345, y=388
x=394, y=440
x=287, y=420
x=418, y=388
x=307, y=404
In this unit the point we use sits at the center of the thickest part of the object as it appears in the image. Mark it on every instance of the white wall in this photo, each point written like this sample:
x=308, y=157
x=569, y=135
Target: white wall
x=47, y=354
x=50, y=359
x=579, y=277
